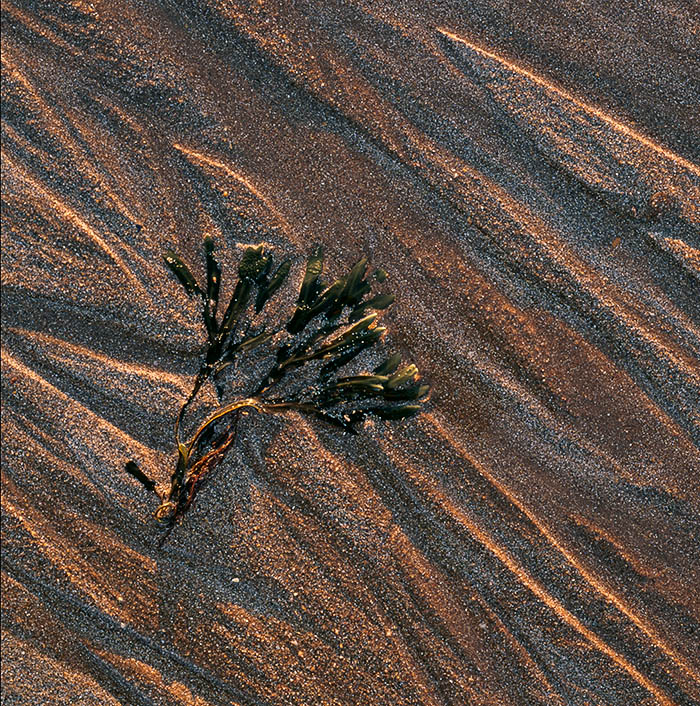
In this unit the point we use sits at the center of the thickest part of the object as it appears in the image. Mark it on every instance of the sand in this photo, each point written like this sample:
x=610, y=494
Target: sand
x=528, y=174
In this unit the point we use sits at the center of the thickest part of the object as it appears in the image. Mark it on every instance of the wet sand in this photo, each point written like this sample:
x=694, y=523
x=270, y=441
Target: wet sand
x=529, y=177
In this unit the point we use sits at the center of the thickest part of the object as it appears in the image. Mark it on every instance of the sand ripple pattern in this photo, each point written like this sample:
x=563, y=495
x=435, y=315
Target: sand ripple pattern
x=533, y=537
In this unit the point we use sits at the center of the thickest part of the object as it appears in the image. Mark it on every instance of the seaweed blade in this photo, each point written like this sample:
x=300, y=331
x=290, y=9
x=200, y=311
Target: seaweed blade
x=182, y=272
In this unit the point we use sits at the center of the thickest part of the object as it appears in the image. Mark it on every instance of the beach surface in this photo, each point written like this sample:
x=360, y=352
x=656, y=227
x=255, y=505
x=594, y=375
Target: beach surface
x=528, y=174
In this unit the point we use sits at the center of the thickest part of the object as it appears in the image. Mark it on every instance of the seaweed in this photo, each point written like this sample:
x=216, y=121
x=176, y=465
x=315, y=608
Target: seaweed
x=331, y=326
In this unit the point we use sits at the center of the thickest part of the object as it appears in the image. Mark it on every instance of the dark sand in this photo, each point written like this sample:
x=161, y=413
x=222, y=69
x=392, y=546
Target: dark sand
x=528, y=174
